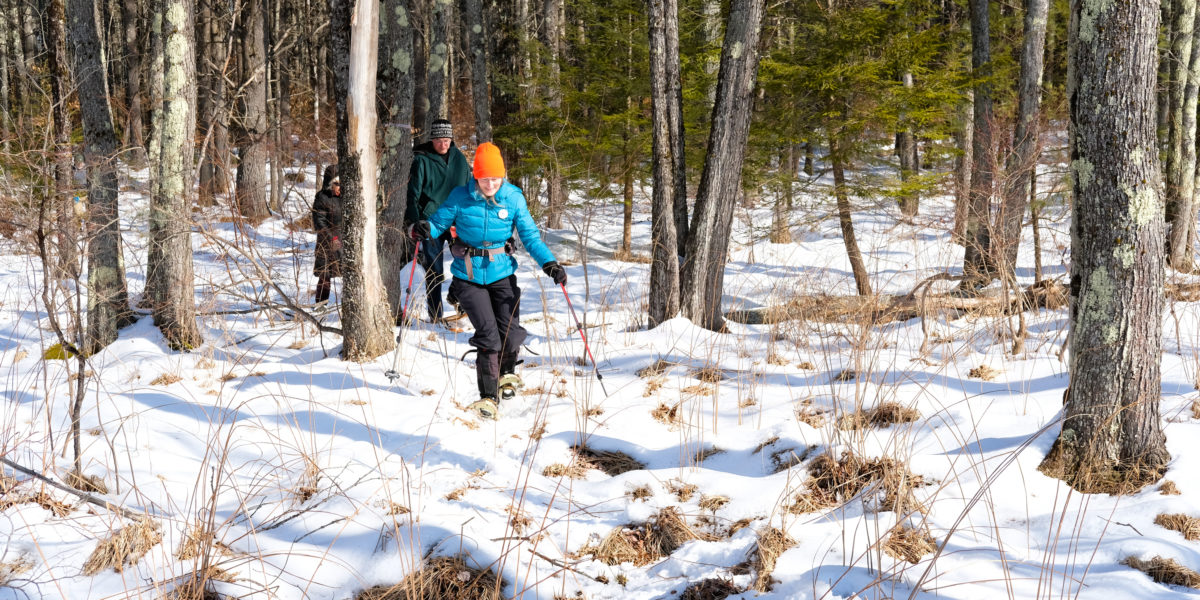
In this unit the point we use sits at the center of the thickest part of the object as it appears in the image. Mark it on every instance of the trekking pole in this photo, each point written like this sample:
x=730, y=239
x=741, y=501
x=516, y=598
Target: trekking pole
x=392, y=374
x=583, y=336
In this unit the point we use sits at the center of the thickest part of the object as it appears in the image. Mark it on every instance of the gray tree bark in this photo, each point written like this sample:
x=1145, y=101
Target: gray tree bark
x=964, y=142
x=67, y=233
x=664, y=249
x=1112, y=439
x=977, y=268
x=439, y=64
x=108, y=299
x=862, y=279
x=1181, y=139
x=679, y=201
x=477, y=37
x=552, y=25
x=396, y=89
x=252, y=129
x=366, y=320
x=1022, y=161
x=135, y=136
x=5, y=66
x=906, y=150
x=170, y=274
x=212, y=64
x=702, y=279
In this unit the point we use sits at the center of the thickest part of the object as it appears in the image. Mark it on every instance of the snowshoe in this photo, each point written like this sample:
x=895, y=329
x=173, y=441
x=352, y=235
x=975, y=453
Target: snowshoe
x=486, y=408
x=509, y=384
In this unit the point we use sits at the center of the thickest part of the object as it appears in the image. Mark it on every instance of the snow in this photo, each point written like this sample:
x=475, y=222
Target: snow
x=299, y=463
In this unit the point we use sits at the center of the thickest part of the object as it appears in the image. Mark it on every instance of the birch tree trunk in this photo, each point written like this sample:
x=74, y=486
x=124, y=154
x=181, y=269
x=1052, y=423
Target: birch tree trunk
x=1024, y=157
x=170, y=275
x=1112, y=439
x=477, y=37
x=703, y=273
x=108, y=299
x=664, y=250
x=977, y=268
x=396, y=90
x=251, y=186
x=366, y=320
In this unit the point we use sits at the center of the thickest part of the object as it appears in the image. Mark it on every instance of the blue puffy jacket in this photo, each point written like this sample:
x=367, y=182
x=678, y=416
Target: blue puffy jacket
x=485, y=224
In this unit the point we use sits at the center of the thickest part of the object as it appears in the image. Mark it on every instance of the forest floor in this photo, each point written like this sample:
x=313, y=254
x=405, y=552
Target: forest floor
x=800, y=460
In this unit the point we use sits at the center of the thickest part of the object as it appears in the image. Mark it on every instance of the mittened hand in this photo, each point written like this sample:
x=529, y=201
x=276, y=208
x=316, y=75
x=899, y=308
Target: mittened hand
x=556, y=272
x=419, y=230
x=335, y=245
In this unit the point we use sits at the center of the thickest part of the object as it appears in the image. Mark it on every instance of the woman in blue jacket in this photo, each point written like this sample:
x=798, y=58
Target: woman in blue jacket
x=484, y=214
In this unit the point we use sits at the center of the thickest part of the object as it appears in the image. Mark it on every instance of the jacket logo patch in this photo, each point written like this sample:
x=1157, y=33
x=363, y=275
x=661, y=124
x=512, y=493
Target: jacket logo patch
x=503, y=213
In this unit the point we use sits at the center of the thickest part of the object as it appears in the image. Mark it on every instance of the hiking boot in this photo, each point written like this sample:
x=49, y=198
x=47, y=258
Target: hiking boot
x=509, y=383
x=486, y=408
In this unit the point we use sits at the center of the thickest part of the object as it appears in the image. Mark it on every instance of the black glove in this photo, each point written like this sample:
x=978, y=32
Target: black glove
x=556, y=272
x=419, y=230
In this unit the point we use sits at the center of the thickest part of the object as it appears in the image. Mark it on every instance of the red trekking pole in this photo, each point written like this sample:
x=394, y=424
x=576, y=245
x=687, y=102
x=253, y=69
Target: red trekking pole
x=392, y=373
x=583, y=336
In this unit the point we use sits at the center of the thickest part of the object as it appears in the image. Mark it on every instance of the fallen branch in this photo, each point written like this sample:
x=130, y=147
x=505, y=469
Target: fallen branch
x=125, y=512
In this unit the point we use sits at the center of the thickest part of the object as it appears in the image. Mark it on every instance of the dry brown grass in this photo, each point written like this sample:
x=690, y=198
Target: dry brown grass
x=575, y=470
x=86, y=483
x=612, y=462
x=813, y=417
x=884, y=415
x=653, y=385
x=765, y=443
x=709, y=374
x=908, y=544
x=846, y=375
x=682, y=491
x=774, y=358
x=11, y=569
x=307, y=486
x=706, y=453
x=772, y=543
x=832, y=482
x=699, y=389
x=983, y=372
x=713, y=503
x=42, y=499
x=166, y=379
x=126, y=547
x=805, y=365
x=1196, y=409
x=643, y=544
x=627, y=255
x=641, y=492
x=667, y=415
x=655, y=369
x=303, y=224
x=396, y=509
x=710, y=589
x=1168, y=488
x=1184, y=524
x=441, y=578
x=1165, y=570
x=786, y=458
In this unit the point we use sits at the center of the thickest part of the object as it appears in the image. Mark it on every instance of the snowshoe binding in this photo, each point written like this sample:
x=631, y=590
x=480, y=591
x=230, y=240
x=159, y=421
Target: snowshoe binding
x=509, y=384
x=486, y=408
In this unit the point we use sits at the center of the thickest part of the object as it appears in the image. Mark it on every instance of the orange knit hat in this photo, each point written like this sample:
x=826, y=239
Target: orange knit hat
x=488, y=162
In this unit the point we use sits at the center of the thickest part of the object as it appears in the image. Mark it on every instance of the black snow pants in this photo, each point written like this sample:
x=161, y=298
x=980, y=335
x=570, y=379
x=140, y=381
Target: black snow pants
x=495, y=313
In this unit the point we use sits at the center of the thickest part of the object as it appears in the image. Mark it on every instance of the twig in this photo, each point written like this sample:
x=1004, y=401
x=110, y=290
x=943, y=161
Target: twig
x=125, y=512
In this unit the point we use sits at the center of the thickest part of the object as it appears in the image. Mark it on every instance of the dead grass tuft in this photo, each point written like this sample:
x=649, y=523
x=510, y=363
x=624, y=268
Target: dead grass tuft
x=667, y=415
x=655, y=369
x=612, y=462
x=984, y=373
x=643, y=544
x=805, y=365
x=441, y=578
x=575, y=470
x=772, y=543
x=303, y=224
x=846, y=375
x=774, y=358
x=641, y=492
x=706, y=453
x=627, y=255
x=786, y=458
x=126, y=547
x=166, y=379
x=1196, y=409
x=832, y=482
x=713, y=503
x=9, y=570
x=42, y=499
x=884, y=415
x=765, y=443
x=395, y=509
x=683, y=491
x=697, y=390
x=1165, y=570
x=1188, y=526
x=1168, y=488
x=908, y=544
x=197, y=586
x=709, y=374
x=710, y=589
x=86, y=483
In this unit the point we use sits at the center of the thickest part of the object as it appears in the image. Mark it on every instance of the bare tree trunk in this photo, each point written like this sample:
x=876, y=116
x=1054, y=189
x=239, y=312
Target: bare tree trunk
x=108, y=301
x=251, y=187
x=906, y=148
x=135, y=137
x=396, y=91
x=1112, y=439
x=1035, y=213
x=664, y=253
x=439, y=64
x=1181, y=160
x=977, y=268
x=420, y=13
x=366, y=320
x=1024, y=157
x=964, y=142
x=214, y=116
x=477, y=36
x=702, y=279
x=174, y=307
x=781, y=231
x=5, y=63
x=676, y=127
x=552, y=39
x=862, y=280
x=67, y=233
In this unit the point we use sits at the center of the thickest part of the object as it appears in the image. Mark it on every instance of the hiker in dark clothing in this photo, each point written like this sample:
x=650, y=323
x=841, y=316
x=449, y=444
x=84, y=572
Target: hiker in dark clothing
x=327, y=222
x=485, y=212
x=437, y=168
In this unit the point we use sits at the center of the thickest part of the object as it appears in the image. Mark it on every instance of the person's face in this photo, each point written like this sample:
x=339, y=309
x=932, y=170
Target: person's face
x=488, y=186
x=336, y=187
x=441, y=145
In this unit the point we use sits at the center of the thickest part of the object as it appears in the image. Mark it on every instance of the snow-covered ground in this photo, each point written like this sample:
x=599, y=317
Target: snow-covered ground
x=318, y=478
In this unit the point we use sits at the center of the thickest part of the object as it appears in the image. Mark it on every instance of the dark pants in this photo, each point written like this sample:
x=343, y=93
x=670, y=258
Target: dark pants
x=431, y=260
x=495, y=313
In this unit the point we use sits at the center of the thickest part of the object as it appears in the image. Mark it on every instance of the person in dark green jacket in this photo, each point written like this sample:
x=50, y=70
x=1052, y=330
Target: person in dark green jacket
x=437, y=167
